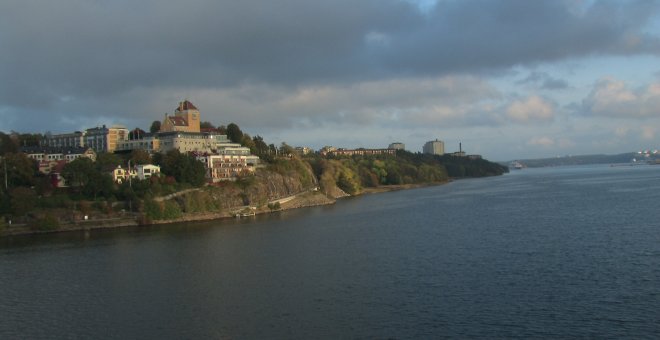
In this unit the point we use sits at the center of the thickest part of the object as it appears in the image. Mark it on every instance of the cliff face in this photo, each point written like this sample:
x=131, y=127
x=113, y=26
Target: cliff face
x=267, y=185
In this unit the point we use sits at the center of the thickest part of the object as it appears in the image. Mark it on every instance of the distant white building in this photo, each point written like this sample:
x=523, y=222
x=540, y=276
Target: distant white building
x=397, y=146
x=434, y=147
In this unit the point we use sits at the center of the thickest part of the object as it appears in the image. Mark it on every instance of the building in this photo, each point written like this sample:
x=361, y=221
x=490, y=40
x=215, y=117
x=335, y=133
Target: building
x=359, y=152
x=303, y=150
x=47, y=153
x=185, y=119
x=120, y=175
x=101, y=139
x=141, y=172
x=146, y=171
x=434, y=147
x=148, y=142
x=65, y=140
x=397, y=146
x=224, y=167
x=104, y=139
x=192, y=141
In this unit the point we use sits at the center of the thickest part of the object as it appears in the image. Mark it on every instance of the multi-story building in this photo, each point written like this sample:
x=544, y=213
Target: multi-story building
x=148, y=142
x=185, y=119
x=64, y=140
x=223, y=167
x=434, y=147
x=191, y=141
x=359, y=152
x=46, y=153
x=397, y=146
x=104, y=139
x=101, y=139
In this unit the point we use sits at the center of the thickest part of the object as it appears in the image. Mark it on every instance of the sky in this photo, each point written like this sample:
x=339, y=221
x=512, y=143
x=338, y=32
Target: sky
x=509, y=79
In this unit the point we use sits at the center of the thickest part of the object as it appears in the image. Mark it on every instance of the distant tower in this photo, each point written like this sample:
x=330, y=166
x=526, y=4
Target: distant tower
x=434, y=147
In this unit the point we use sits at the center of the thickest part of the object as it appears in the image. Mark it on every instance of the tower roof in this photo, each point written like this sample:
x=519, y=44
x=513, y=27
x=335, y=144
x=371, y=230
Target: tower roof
x=186, y=105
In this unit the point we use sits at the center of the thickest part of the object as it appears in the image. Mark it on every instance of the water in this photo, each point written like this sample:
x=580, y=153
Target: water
x=562, y=252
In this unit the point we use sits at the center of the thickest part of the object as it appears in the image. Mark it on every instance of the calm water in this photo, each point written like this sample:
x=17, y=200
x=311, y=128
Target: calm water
x=563, y=252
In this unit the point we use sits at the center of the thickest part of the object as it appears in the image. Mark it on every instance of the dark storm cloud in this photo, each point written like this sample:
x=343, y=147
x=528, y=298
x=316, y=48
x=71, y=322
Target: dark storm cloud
x=97, y=52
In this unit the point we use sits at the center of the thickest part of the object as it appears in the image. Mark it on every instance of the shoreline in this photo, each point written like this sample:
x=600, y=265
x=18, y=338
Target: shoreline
x=301, y=200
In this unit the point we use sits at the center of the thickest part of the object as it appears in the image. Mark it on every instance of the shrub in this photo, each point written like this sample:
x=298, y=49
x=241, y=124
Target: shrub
x=47, y=223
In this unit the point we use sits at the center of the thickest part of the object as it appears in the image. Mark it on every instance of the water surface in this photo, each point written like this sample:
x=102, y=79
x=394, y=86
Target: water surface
x=559, y=252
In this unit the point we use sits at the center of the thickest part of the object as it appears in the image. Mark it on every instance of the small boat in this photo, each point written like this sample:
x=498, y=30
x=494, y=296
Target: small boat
x=515, y=165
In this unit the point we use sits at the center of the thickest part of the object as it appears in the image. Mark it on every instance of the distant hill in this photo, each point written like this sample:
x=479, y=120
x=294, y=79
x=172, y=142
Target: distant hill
x=585, y=159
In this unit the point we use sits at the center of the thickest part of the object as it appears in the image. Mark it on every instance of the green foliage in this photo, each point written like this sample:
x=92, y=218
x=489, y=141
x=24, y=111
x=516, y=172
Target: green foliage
x=206, y=125
x=30, y=139
x=261, y=149
x=152, y=209
x=88, y=179
x=7, y=145
x=155, y=126
x=351, y=174
x=79, y=172
x=23, y=200
x=247, y=141
x=234, y=133
x=171, y=210
x=274, y=206
x=47, y=223
x=106, y=162
x=293, y=167
x=198, y=201
x=55, y=201
x=167, y=210
x=139, y=156
x=21, y=170
x=184, y=168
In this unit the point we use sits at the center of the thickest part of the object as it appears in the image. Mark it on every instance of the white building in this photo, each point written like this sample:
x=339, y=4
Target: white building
x=145, y=171
x=434, y=147
x=397, y=146
x=227, y=166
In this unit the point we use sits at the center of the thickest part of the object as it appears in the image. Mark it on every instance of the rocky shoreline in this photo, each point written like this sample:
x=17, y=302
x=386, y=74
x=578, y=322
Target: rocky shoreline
x=303, y=200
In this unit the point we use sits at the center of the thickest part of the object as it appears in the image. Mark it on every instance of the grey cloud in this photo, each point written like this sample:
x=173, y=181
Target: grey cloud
x=543, y=81
x=132, y=60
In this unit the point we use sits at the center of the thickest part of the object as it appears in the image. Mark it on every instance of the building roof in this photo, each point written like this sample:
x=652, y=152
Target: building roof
x=178, y=121
x=186, y=105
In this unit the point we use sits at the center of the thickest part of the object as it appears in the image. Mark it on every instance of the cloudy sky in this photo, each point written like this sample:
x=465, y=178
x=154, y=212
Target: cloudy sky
x=509, y=79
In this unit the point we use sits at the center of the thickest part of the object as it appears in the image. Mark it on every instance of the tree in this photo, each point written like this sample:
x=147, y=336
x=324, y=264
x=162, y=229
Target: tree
x=99, y=184
x=23, y=200
x=139, y=156
x=29, y=139
x=21, y=170
x=183, y=167
x=234, y=133
x=106, y=161
x=222, y=130
x=7, y=145
x=79, y=172
x=206, y=125
x=155, y=126
x=248, y=142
